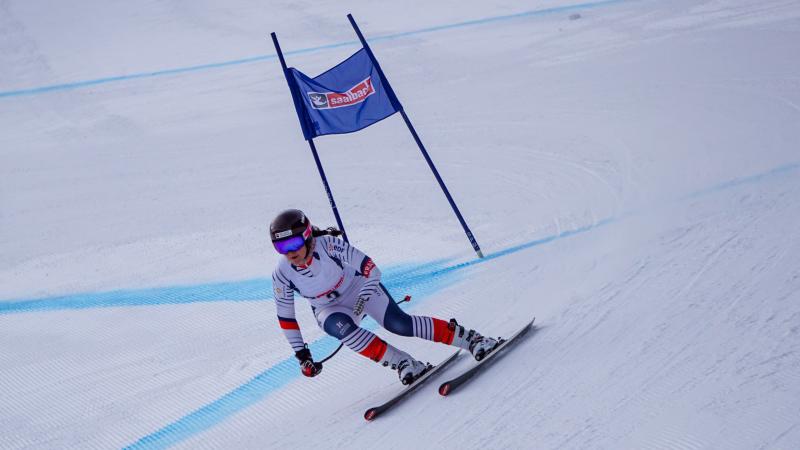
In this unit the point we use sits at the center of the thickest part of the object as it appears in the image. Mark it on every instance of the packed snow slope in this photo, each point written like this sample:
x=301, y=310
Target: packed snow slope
x=631, y=169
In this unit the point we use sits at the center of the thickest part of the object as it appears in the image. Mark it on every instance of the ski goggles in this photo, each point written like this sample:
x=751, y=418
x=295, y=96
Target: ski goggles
x=292, y=244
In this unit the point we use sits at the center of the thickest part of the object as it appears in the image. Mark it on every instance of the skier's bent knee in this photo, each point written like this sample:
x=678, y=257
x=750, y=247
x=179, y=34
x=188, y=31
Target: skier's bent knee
x=339, y=325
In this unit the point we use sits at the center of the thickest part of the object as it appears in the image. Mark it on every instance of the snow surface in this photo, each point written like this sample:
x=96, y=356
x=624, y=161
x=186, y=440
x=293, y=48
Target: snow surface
x=630, y=168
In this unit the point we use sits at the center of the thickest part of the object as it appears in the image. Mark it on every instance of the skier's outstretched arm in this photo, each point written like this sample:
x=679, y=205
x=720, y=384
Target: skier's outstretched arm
x=284, y=304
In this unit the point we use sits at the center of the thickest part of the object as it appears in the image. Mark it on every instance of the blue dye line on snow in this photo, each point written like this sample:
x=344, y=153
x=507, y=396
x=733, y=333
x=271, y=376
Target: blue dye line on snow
x=248, y=290
x=406, y=278
x=253, y=59
x=229, y=404
x=743, y=180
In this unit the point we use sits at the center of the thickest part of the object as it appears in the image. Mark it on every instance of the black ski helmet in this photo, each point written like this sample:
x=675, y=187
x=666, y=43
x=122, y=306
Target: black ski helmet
x=289, y=224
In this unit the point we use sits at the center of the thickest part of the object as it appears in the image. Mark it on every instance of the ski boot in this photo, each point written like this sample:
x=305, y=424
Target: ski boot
x=478, y=345
x=481, y=346
x=410, y=369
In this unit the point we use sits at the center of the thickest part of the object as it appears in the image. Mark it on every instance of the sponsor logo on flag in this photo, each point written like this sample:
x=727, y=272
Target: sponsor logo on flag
x=330, y=100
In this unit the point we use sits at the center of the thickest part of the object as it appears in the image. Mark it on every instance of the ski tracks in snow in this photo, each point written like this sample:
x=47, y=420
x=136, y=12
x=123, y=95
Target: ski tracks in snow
x=684, y=347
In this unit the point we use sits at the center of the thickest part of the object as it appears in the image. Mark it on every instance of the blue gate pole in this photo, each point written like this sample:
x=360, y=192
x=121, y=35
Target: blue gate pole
x=310, y=140
x=328, y=190
x=399, y=107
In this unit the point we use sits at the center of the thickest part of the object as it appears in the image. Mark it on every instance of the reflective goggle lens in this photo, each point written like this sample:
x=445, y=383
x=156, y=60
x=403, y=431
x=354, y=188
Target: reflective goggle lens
x=292, y=244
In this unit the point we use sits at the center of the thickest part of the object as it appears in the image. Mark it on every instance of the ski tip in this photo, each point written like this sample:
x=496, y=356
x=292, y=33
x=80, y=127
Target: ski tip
x=370, y=414
x=444, y=389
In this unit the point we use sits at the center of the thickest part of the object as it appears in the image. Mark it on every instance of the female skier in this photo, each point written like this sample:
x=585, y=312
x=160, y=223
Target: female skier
x=341, y=283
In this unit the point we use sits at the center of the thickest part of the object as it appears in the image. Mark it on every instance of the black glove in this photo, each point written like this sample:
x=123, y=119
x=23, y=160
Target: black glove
x=334, y=231
x=308, y=367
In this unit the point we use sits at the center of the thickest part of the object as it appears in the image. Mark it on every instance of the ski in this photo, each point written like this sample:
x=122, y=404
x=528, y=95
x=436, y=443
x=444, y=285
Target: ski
x=449, y=386
x=375, y=411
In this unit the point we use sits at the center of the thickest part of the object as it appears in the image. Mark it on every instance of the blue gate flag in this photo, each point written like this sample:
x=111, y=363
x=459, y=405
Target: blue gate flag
x=347, y=98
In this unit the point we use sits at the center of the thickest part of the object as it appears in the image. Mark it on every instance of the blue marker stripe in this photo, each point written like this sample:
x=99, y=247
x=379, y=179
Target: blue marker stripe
x=257, y=289
x=494, y=19
x=757, y=178
x=254, y=59
x=248, y=290
x=248, y=394
x=405, y=278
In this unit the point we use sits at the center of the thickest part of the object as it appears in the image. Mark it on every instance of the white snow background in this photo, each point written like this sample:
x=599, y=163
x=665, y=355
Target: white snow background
x=631, y=169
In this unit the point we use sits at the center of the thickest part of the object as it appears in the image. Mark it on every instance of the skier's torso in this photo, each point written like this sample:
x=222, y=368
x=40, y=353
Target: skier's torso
x=326, y=278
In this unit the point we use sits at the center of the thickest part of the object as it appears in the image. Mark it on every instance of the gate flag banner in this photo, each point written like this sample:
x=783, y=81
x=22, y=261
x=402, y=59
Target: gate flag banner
x=347, y=98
